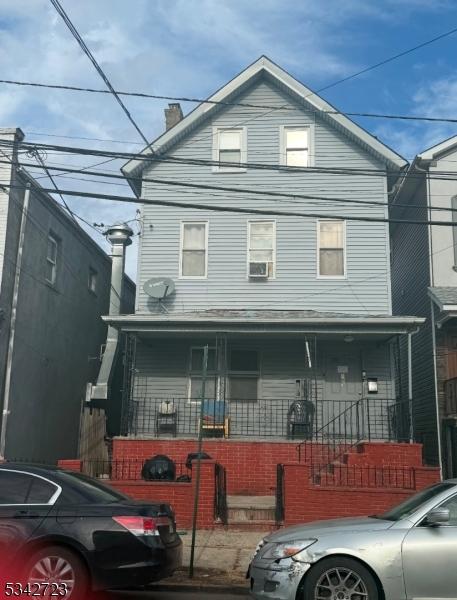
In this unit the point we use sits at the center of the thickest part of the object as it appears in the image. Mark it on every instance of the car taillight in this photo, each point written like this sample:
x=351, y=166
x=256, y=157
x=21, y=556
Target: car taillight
x=138, y=525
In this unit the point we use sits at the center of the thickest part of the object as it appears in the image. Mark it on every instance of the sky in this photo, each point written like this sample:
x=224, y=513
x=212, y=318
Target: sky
x=192, y=47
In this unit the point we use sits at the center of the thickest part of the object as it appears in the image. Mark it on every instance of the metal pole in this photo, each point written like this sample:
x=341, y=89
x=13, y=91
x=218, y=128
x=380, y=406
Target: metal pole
x=13, y=316
x=410, y=390
x=199, y=450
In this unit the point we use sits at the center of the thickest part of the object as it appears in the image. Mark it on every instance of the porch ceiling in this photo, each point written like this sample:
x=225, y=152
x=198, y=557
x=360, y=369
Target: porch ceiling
x=272, y=322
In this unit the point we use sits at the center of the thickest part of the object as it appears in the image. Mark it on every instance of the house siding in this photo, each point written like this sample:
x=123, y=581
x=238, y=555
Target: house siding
x=365, y=290
x=410, y=279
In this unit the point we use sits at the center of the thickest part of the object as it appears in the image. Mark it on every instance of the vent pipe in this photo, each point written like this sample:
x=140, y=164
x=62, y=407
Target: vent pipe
x=120, y=237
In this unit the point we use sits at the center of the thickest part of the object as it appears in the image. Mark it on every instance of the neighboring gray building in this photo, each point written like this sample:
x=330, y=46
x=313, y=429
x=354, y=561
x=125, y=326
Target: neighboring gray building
x=64, y=288
x=424, y=282
x=293, y=309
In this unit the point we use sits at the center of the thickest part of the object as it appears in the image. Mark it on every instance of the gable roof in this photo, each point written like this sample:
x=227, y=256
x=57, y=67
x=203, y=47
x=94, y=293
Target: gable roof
x=310, y=99
x=439, y=149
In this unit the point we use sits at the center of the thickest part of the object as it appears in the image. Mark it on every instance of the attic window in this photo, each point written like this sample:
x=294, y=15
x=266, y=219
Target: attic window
x=229, y=149
x=295, y=147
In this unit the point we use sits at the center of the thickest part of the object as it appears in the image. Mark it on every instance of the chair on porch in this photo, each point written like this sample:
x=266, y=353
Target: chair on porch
x=215, y=419
x=167, y=418
x=300, y=419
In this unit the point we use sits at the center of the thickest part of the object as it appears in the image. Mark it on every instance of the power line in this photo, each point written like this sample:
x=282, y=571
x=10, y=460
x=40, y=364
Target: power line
x=262, y=193
x=98, y=68
x=217, y=102
x=241, y=210
x=388, y=60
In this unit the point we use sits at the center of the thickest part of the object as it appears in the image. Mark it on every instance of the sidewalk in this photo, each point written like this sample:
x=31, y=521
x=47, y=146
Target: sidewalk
x=221, y=561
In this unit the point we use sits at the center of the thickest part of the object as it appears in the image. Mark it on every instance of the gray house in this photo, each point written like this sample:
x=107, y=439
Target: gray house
x=51, y=331
x=424, y=282
x=295, y=310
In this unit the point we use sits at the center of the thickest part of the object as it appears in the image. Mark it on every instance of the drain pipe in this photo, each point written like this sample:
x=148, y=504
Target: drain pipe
x=120, y=237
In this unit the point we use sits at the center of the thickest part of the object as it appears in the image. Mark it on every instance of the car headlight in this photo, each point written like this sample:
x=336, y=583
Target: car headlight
x=286, y=549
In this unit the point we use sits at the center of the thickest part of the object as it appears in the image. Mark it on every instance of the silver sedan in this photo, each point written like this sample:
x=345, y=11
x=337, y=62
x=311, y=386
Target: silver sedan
x=409, y=552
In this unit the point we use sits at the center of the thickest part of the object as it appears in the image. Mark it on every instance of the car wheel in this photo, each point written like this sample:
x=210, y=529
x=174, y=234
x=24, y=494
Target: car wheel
x=61, y=567
x=340, y=578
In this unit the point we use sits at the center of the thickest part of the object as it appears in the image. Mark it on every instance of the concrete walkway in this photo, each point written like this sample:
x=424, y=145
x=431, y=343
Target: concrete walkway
x=223, y=551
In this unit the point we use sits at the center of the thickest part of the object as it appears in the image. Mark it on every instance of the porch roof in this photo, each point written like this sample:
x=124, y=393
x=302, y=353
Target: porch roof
x=264, y=321
x=445, y=299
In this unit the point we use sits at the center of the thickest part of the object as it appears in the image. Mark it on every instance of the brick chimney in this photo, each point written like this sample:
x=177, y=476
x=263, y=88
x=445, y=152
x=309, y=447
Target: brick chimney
x=173, y=114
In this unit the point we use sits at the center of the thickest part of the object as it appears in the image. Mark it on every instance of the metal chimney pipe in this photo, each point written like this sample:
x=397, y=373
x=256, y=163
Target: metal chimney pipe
x=120, y=237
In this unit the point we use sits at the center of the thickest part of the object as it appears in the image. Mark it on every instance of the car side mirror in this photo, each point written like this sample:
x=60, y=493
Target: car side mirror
x=438, y=516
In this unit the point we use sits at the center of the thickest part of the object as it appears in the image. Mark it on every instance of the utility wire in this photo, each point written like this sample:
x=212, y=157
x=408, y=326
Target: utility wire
x=223, y=103
x=151, y=159
x=241, y=210
x=256, y=191
x=98, y=68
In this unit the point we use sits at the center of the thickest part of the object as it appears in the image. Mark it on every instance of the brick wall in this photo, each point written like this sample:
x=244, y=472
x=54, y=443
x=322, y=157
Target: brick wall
x=306, y=502
x=179, y=495
x=251, y=466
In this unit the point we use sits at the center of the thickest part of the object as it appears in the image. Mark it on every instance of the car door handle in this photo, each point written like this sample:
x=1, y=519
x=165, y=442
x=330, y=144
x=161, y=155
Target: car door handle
x=25, y=513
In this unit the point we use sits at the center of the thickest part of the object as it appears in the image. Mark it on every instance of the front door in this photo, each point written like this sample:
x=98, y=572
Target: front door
x=430, y=559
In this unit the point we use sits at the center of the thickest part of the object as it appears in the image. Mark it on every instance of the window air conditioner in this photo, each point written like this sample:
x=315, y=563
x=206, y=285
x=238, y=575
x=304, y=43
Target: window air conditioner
x=258, y=270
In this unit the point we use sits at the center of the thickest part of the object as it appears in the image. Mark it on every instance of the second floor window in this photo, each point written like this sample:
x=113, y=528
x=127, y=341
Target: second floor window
x=229, y=149
x=51, y=259
x=194, y=249
x=331, y=248
x=296, y=146
x=261, y=249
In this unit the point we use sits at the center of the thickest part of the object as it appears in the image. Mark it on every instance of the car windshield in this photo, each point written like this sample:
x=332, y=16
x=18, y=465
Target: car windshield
x=89, y=489
x=409, y=506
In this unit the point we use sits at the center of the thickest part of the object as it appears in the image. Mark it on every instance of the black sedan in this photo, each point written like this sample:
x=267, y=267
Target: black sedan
x=64, y=534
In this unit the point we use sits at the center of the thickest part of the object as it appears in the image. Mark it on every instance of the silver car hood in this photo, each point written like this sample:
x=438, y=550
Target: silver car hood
x=330, y=526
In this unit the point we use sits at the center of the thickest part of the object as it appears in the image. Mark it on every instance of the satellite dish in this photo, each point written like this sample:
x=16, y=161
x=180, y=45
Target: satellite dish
x=159, y=288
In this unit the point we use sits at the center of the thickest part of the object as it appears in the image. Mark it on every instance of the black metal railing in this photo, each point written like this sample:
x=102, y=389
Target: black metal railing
x=279, y=496
x=344, y=424
x=131, y=469
x=220, y=499
x=363, y=476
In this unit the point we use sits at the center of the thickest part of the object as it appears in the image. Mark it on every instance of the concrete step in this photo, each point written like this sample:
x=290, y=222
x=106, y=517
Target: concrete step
x=248, y=509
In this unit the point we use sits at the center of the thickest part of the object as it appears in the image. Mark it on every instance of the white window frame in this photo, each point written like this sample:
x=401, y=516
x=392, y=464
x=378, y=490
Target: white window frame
x=243, y=150
x=282, y=144
x=217, y=375
x=248, y=374
x=318, y=247
x=181, y=242
x=254, y=221
x=52, y=238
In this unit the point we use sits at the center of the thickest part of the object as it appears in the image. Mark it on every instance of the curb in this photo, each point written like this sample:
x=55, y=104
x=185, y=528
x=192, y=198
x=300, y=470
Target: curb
x=236, y=590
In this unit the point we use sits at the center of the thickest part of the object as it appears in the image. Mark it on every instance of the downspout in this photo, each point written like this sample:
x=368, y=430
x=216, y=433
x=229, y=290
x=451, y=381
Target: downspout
x=13, y=317
x=120, y=237
x=410, y=387
x=437, y=404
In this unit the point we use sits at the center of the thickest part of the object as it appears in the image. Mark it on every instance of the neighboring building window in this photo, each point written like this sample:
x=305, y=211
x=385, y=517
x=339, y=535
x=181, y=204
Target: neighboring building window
x=261, y=249
x=196, y=374
x=194, y=250
x=229, y=146
x=51, y=259
x=454, y=229
x=243, y=374
x=331, y=248
x=296, y=146
x=92, y=282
